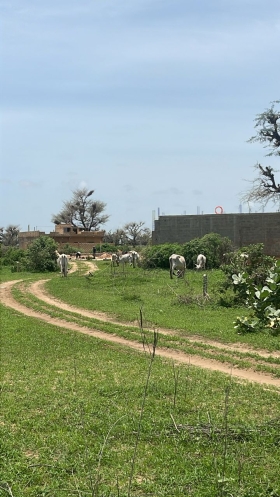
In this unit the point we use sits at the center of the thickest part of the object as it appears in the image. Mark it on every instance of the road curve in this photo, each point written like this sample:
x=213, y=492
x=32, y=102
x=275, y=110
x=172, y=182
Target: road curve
x=36, y=288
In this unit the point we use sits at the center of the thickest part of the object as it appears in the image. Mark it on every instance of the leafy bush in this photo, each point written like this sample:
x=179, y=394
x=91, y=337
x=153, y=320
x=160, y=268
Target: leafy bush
x=69, y=249
x=250, y=261
x=41, y=255
x=106, y=247
x=213, y=246
x=157, y=256
x=262, y=299
x=12, y=255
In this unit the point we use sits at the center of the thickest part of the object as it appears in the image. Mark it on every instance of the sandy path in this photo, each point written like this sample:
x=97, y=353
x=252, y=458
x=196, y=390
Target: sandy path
x=37, y=289
x=40, y=292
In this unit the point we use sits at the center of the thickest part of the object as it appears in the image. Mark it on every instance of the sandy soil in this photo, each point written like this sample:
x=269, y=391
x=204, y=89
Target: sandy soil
x=38, y=289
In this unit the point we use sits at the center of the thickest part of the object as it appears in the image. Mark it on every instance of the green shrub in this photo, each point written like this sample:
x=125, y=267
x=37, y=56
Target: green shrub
x=41, y=255
x=248, y=260
x=68, y=249
x=213, y=246
x=12, y=255
x=263, y=300
x=157, y=256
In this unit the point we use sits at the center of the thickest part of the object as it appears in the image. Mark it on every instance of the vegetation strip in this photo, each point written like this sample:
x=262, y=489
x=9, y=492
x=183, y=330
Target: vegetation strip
x=236, y=359
x=100, y=316
x=171, y=354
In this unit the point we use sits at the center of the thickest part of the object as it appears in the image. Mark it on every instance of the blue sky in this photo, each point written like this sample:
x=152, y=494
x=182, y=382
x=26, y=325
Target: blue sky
x=148, y=102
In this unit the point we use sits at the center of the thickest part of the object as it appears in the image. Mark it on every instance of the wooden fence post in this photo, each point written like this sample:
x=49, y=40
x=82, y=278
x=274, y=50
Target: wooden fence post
x=205, y=285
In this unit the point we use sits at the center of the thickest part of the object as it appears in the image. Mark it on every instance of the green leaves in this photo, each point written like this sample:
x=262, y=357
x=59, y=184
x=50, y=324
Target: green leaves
x=264, y=300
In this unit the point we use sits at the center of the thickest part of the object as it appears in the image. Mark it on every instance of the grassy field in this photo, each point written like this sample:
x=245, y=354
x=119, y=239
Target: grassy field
x=177, y=304
x=83, y=417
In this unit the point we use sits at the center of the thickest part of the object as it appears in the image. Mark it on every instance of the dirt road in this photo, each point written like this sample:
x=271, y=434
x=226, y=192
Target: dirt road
x=39, y=291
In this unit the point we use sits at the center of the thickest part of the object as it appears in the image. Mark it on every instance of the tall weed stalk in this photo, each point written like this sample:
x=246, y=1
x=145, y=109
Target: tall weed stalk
x=152, y=353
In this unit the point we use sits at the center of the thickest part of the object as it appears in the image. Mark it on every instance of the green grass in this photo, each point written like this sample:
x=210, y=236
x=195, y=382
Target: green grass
x=122, y=294
x=70, y=414
x=71, y=404
x=241, y=359
x=7, y=275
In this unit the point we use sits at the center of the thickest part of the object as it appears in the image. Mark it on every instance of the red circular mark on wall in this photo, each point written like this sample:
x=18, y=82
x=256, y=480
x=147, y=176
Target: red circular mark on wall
x=219, y=210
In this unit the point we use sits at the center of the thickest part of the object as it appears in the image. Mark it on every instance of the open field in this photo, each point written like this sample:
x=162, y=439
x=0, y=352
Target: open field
x=88, y=414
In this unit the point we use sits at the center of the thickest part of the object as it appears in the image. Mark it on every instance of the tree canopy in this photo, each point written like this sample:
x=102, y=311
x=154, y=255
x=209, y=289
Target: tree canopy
x=265, y=187
x=132, y=233
x=82, y=211
x=9, y=235
x=137, y=233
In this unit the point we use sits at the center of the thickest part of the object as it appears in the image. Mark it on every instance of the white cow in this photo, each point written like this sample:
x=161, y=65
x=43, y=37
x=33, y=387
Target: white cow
x=177, y=262
x=125, y=259
x=200, y=261
x=62, y=261
x=135, y=258
x=115, y=260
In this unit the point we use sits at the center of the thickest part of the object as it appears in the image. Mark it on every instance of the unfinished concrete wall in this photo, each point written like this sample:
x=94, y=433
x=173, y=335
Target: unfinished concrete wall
x=82, y=240
x=27, y=237
x=242, y=229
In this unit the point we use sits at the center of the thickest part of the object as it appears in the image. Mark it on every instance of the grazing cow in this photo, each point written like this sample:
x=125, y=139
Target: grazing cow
x=126, y=259
x=135, y=258
x=115, y=260
x=177, y=262
x=62, y=261
x=200, y=261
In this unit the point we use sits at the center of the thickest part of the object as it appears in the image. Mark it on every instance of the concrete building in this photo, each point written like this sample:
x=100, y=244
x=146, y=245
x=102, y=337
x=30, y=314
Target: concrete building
x=241, y=229
x=65, y=234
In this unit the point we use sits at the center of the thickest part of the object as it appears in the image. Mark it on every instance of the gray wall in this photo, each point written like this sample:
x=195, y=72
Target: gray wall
x=242, y=229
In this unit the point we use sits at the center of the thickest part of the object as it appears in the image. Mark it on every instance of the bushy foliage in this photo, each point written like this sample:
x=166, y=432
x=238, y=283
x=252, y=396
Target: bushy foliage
x=249, y=259
x=41, y=255
x=14, y=257
x=262, y=299
x=68, y=249
x=157, y=256
x=212, y=245
x=107, y=247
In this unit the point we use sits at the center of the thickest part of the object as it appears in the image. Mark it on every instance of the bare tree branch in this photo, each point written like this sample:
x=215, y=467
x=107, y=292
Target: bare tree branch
x=264, y=187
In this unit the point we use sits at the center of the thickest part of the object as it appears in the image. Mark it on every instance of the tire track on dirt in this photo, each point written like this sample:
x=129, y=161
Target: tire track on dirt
x=36, y=288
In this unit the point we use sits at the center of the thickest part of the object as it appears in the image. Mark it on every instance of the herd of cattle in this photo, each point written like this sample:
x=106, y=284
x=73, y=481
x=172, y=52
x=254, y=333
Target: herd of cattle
x=177, y=263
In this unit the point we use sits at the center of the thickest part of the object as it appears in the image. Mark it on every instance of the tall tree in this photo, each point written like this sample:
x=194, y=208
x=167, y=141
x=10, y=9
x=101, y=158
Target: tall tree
x=265, y=187
x=116, y=237
x=9, y=235
x=137, y=233
x=82, y=211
